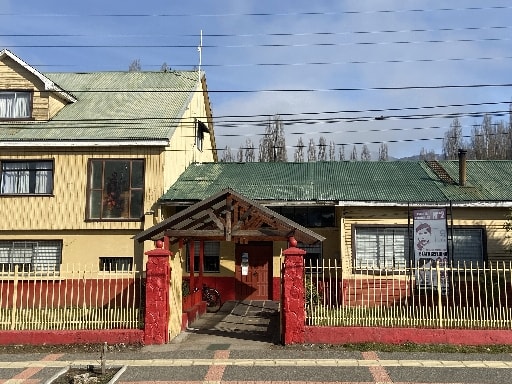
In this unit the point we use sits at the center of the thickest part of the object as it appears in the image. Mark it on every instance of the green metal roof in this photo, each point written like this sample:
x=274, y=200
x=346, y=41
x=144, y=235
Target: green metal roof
x=112, y=105
x=359, y=181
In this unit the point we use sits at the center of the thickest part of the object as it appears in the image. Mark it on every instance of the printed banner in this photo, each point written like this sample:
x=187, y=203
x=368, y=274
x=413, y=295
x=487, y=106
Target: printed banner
x=430, y=247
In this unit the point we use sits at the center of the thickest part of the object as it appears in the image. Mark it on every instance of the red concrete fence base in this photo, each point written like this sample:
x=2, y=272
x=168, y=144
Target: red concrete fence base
x=109, y=336
x=356, y=335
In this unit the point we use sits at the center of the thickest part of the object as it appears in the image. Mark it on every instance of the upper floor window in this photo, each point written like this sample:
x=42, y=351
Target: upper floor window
x=15, y=104
x=26, y=178
x=200, y=130
x=115, y=189
x=30, y=255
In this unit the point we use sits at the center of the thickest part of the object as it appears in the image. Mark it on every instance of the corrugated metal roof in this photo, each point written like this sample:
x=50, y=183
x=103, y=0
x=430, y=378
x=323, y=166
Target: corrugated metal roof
x=113, y=105
x=391, y=181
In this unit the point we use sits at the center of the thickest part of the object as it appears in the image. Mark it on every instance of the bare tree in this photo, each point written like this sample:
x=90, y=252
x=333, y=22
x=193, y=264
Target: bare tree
x=322, y=149
x=452, y=141
x=273, y=144
x=353, y=154
x=249, y=151
x=311, y=150
x=332, y=151
x=383, y=152
x=240, y=155
x=365, y=153
x=298, y=156
x=165, y=67
x=227, y=156
x=135, y=66
x=342, y=153
x=427, y=155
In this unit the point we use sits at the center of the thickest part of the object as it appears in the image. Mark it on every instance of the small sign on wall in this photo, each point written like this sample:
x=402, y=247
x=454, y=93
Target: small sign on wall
x=245, y=264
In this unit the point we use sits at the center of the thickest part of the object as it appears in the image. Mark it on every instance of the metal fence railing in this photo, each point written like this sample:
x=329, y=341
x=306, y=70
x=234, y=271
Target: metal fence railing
x=75, y=297
x=467, y=296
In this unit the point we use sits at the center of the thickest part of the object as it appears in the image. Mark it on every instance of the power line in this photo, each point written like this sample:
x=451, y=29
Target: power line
x=269, y=45
x=260, y=14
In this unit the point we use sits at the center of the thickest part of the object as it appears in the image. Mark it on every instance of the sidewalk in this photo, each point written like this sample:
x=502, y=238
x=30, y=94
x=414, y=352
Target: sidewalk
x=236, y=345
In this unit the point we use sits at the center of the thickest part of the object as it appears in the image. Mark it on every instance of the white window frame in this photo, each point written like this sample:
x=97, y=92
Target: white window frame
x=15, y=105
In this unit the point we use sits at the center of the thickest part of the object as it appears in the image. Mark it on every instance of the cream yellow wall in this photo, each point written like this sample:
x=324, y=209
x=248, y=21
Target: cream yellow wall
x=175, y=297
x=182, y=150
x=13, y=76
x=62, y=216
x=491, y=219
x=66, y=208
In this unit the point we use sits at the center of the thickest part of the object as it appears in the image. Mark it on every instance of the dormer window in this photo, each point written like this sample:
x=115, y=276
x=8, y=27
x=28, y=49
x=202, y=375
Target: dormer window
x=15, y=104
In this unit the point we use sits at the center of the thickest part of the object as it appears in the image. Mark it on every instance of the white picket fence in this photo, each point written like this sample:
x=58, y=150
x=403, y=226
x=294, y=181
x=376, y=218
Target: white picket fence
x=467, y=296
x=75, y=297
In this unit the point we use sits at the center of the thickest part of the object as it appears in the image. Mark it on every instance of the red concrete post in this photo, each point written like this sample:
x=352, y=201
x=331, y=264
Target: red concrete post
x=158, y=276
x=293, y=297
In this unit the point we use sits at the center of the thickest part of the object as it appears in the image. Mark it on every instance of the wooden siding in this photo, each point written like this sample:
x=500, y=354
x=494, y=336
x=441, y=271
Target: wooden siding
x=490, y=219
x=13, y=76
x=66, y=209
x=182, y=150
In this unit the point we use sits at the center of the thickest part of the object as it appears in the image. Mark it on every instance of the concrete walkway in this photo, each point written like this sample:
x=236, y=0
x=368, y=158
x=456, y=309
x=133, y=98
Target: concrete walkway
x=237, y=325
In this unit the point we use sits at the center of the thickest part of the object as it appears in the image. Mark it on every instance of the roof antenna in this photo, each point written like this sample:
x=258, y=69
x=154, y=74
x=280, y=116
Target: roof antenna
x=199, y=49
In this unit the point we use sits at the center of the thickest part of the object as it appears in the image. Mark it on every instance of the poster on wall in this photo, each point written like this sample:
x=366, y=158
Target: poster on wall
x=430, y=248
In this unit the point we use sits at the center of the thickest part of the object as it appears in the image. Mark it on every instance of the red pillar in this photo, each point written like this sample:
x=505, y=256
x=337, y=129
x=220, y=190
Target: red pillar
x=158, y=277
x=293, y=304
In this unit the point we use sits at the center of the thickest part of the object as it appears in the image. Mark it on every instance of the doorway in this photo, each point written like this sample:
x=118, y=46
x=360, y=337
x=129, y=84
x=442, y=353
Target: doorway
x=253, y=271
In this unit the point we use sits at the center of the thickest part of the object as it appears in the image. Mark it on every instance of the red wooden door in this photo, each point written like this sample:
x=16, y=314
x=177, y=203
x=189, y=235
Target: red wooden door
x=255, y=281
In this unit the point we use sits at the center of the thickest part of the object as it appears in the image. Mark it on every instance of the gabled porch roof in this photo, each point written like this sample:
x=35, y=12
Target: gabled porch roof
x=229, y=216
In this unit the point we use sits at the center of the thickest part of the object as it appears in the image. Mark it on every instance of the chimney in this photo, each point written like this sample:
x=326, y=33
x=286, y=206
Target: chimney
x=462, y=167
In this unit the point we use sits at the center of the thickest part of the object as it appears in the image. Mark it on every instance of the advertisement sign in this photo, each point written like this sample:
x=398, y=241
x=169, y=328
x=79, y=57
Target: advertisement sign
x=430, y=247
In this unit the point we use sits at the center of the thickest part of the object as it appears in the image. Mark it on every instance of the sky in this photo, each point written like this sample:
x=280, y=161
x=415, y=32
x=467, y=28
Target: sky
x=328, y=68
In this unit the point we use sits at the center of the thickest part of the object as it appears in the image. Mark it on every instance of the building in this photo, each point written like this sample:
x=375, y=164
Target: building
x=84, y=158
x=362, y=214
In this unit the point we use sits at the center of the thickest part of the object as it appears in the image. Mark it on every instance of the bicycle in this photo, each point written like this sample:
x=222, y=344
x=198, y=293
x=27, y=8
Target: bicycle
x=212, y=298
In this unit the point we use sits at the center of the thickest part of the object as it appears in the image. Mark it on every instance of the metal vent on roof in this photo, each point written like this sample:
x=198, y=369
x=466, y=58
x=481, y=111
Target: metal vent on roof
x=440, y=171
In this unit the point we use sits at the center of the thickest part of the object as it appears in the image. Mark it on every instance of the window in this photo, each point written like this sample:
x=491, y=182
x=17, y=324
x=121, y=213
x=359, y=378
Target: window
x=385, y=248
x=211, y=256
x=312, y=217
x=27, y=178
x=200, y=130
x=30, y=256
x=115, y=189
x=381, y=248
x=116, y=264
x=15, y=104
x=467, y=246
